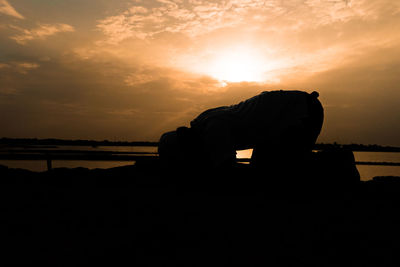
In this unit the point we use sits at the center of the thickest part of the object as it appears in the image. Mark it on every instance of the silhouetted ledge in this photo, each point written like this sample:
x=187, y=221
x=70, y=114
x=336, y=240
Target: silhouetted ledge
x=140, y=214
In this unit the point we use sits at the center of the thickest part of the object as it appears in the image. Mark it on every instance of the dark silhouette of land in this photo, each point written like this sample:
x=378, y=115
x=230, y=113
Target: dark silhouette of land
x=65, y=142
x=357, y=147
x=141, y=215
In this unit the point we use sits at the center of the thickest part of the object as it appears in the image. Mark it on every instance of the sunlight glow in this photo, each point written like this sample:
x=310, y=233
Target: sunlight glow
x=233, y=64
x=237, y=65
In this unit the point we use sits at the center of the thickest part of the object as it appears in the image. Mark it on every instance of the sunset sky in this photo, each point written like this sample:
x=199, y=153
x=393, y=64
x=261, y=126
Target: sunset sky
x=130, y=70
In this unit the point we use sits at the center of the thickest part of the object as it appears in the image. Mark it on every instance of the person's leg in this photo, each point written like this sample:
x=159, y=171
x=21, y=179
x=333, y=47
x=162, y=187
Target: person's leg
x=293, y=145
x=313, y=124
x=218, y=144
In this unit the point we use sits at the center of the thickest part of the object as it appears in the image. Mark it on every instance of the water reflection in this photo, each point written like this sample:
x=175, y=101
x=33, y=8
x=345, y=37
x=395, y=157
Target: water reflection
x=41, y=165
x=367, y=172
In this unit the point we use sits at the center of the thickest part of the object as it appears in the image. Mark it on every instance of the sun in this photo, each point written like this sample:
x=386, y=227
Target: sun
x=232, y=64
x=237, y=65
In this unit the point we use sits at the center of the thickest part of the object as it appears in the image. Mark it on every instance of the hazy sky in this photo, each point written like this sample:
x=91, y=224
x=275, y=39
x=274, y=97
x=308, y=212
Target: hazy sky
x=130, y=70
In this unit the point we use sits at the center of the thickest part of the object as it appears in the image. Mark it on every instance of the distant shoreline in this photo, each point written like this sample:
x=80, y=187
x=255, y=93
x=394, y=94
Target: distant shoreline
x=357, y=147
x=26, y=142
x=65, y=142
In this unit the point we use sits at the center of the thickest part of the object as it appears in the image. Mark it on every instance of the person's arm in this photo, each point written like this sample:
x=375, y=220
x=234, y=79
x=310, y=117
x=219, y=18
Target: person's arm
x=218, y=144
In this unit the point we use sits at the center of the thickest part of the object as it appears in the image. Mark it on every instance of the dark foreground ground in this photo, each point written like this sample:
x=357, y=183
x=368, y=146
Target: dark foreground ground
x=141, y=215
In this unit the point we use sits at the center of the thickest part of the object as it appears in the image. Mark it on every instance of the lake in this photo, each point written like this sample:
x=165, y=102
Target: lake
x=367, y=172
x=41, y=165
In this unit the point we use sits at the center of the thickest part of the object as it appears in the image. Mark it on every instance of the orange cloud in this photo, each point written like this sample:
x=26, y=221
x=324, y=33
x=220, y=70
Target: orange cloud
x=24, y=67
x=7, y=9
x=311, y=36
x=200, y=17
x=19, y=67
x=41, y=32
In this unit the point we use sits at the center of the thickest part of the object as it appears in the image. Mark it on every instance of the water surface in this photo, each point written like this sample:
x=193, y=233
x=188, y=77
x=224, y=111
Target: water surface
x=367, y=172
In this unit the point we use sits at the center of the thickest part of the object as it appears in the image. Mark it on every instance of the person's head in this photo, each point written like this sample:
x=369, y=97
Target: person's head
x=168, y=149
x=180, y=148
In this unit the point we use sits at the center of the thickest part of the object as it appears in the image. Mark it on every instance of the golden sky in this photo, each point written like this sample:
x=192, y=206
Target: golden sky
x=130, y=70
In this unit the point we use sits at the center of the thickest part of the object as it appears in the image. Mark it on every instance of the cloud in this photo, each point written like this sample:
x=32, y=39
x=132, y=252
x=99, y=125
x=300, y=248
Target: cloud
x=21, y=67
x=73, y=98
x=101, y=98
x=138, y=78
x=131, y=81
x=308, y=35
x=24, y=67
x=7, y=9
x=7, y=91
x=41, y=32
x=168, y=16
x=4, y=65
x=196, y=18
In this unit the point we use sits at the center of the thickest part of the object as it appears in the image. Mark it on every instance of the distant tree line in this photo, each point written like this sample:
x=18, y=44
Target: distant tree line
x=63, y=142
x=94, y=143
x=357, y=147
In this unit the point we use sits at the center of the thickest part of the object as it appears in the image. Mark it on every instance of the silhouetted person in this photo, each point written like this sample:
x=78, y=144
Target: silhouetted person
x=278, y=125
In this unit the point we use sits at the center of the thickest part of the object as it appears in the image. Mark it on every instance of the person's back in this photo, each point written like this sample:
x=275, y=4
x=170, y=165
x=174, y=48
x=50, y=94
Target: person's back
x=260, y=121
x=266, y=122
